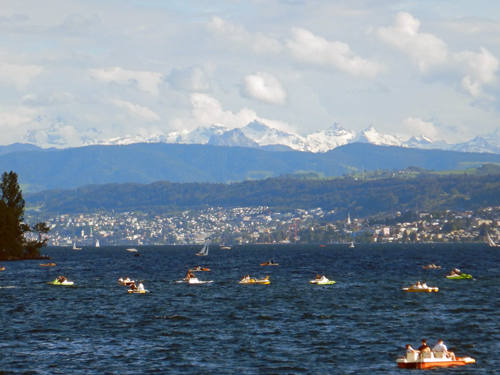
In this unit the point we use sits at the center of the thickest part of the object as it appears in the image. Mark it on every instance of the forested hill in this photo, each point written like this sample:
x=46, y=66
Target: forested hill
x=147, y=163
x=360, y=197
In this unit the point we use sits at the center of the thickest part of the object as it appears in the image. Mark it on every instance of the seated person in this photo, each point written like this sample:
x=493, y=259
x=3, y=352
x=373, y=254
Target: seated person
x=318, y=277
x=120, y=280
x=424, y=285
x=133, y=286
x=323, y=278
x=441, y=348
x=140, y=287
x=127, y=280
x=409, y=349
x=424, y=348
x=455, y=272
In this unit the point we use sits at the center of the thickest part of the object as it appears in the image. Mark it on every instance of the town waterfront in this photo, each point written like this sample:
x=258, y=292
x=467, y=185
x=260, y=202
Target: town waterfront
x=360, y=325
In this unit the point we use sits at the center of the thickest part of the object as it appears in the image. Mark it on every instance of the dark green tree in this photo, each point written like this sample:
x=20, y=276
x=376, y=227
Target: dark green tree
x=12, y=227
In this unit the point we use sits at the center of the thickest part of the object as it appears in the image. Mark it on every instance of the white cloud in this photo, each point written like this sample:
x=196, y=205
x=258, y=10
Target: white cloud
x=19, y=76
x=264, y=87
x=418, y=126
x=192, y=79
x=480, y=68
x=427, y=51
x=207, y=110
x=139, y=112
x=144, y=81
x=424, y=49
x=237, y=34
x=307, y=47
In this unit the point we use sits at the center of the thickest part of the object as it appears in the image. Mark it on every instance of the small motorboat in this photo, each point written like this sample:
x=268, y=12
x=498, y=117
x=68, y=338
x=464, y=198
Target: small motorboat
x=132, y=250
x=429, y=360
x=269, y=263
x=225, y=247
x=2, y=268
x=57, y=282
x=246, y=280
x=432, y=266
x=51, y=264
x=459, y=277
x=322, y=281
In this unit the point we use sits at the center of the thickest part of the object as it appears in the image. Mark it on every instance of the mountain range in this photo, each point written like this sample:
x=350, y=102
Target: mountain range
x=258, y=134
x=69, y=168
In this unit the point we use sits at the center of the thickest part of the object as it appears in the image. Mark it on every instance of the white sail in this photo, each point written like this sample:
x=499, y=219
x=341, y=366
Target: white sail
x=97, y=243
x=204, y=250
x=76, y=248
x=490, y=241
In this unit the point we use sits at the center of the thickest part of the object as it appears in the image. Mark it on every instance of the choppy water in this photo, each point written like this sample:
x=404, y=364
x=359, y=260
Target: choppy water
x=358, y=326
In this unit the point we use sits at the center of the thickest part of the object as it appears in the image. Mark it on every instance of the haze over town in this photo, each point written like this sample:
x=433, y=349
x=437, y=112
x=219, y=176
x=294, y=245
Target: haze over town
x=73, y=70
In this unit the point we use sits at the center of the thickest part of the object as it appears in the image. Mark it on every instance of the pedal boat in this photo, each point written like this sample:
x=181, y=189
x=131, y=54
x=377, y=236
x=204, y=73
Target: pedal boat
x=430, y=360
x=2, y=268
x=193, y=281
x=265, y=280
x=459, y=277
x=322, y=281
x=199, y=269
x=269, y=264
x=429, y=289
x=135, y=291
x=432, y=267
x=51, y=264
x=57, y=282
x=126, y=283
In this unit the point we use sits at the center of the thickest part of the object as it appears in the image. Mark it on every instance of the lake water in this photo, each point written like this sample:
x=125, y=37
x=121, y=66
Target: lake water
x=360, y=325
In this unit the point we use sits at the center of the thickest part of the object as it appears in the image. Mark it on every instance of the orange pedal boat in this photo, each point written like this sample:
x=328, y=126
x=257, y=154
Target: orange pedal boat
x=430, y=360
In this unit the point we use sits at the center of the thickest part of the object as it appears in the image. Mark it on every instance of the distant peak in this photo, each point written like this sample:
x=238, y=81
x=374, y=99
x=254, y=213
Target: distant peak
x=257, y=125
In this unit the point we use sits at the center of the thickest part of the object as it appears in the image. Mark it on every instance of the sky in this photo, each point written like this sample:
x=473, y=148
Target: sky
x=72, y=70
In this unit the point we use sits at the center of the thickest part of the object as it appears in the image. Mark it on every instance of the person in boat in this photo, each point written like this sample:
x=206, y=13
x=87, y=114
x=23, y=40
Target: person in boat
x=441, y=348
x=416, y=286
x=120, y=280
x=424, y=285
x=455, y=272
x=409, y=349
x=424, y=348
x=318, y=277
x=133, y=286
x=61, y=279
x=323, y=278
x=127, y=280
x=197, y=268
x=140, y=287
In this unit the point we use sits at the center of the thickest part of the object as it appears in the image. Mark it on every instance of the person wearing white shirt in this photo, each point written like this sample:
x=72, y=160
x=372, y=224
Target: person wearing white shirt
x=441, y=347
x=140, y=287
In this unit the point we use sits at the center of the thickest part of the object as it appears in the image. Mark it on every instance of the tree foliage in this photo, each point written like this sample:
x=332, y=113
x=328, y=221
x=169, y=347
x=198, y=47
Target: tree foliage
x=13, y=244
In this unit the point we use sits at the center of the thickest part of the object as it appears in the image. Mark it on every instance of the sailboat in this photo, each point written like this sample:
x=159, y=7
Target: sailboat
x=97, y=243
x=76, y=248
x=490, y=241
x=351, y=245
x=203, y=251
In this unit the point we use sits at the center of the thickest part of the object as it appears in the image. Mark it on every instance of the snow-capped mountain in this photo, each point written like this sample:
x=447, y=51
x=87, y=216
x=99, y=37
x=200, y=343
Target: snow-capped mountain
x=201, y=134
x=326, y=140
x=44, y=132
x=232, y=138
x=370, y=135
x=265, y=136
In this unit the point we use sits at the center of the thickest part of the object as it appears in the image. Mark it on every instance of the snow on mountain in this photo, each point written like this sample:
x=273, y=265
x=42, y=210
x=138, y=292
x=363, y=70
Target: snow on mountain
x=130, y=139
x=201, y=134
x=423, y=142
x=265, y=136
x=326, y=140
x=478, y=144
x=232, y=138
x=370, y=135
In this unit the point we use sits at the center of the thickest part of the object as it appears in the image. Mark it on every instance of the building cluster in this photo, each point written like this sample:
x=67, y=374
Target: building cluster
x=242, y=225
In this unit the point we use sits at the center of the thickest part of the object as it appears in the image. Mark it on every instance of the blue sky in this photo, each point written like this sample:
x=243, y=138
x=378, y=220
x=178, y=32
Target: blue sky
x=102, y=69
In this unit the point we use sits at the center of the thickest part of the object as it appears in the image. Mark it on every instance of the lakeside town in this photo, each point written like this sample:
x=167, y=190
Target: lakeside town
x=254, y=225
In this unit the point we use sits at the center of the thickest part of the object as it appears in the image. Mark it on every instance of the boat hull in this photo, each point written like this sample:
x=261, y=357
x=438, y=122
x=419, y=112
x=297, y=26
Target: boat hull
x=329, y=282
x=64, y=283
x=423, y=290
x=434, y=362
x=461, y=277
x=137, y=291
